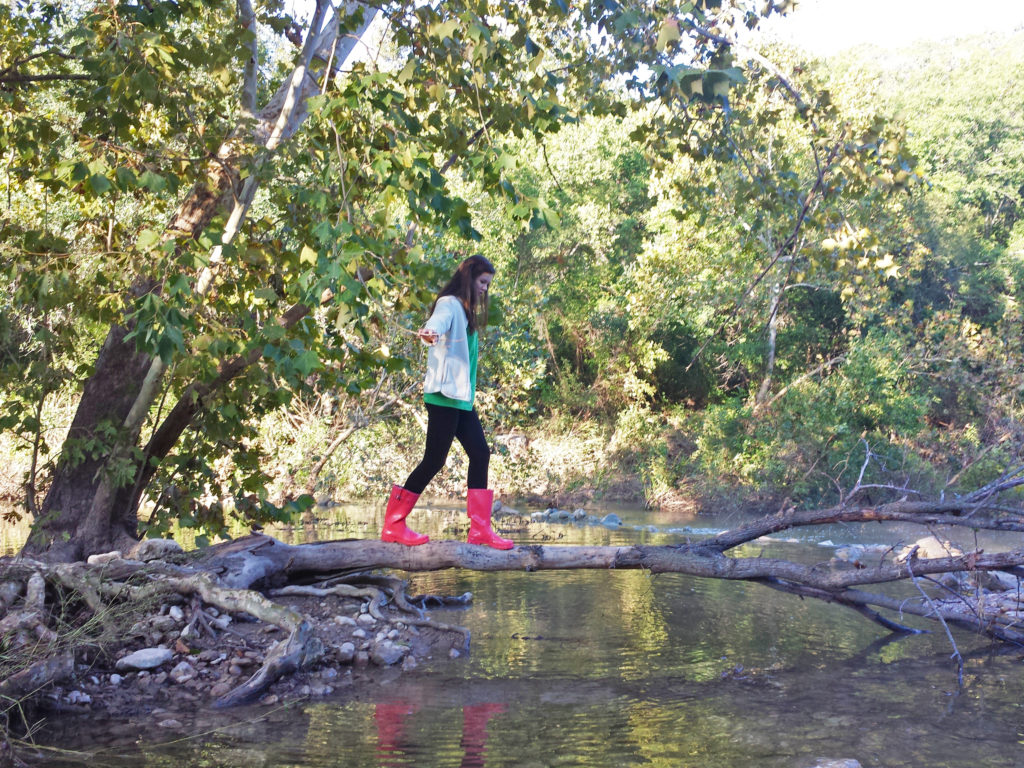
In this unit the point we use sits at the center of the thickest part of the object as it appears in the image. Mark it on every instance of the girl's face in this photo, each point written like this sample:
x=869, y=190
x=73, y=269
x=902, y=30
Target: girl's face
x=481, y=284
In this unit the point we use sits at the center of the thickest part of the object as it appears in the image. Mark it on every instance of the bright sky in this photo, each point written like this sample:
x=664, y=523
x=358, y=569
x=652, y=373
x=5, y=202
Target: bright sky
x=826, y=26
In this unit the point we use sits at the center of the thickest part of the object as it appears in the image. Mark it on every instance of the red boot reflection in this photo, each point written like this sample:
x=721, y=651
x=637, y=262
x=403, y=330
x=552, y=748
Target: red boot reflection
x=390, y=719
x=474, y=732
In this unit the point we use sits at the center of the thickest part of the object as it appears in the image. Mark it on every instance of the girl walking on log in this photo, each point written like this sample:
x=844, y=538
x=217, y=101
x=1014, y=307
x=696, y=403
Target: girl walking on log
x=449, y=390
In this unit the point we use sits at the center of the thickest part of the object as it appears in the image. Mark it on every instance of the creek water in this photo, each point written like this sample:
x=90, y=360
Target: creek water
x=621, y=668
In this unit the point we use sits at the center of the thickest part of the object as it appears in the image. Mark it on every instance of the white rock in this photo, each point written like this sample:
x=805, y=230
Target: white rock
x=176, y=613
x=346, y=652
x=147, y=658
x=182, y=672
x=155, y=549
x=359, y=633
x=387, y=653
x=116, y=679
x=345, y=621
x=366, y=620
x=929, y=548
x=222, y=621
x=78, y=697
x=106, y=557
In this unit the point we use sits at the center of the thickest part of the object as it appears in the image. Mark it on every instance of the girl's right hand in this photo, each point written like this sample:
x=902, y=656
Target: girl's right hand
x=427, y=336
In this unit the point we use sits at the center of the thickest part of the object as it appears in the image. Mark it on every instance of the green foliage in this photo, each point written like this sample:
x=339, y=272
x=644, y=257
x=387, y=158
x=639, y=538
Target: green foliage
x=319, y=260
x=675, y=232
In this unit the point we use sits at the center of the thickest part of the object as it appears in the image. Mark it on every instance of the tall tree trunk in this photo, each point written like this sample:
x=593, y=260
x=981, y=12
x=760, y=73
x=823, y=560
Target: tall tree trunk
x=85, y=511
x=64, y=530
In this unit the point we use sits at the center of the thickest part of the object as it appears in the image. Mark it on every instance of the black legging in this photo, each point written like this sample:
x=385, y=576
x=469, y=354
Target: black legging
x=443, y=424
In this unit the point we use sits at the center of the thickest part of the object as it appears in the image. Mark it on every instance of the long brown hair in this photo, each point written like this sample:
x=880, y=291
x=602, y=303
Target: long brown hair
x=461, y=287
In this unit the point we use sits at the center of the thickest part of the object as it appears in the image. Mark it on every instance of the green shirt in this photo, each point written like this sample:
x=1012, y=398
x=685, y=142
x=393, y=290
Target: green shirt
x=436, y=398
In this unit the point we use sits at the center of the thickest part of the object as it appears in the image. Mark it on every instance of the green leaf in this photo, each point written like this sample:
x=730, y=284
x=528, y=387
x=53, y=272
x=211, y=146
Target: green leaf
x=99, y=183
x=147, y=239
x=152, y=181
x=668, y=34
x=307, y=256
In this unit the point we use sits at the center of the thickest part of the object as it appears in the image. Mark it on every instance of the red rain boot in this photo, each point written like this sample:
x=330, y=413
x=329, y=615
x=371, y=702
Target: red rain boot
x=479, y=503
x=399, y=506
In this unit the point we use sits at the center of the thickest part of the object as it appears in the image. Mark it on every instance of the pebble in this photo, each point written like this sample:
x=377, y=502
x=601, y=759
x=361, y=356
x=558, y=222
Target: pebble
x=78, y=697
x=176, y=613
x=182, y=673
x=116, y=679
x=360, y=633
x=170, y=723
x=345, y=621
x=219, y=689
x=346, y=653
x=366, y=620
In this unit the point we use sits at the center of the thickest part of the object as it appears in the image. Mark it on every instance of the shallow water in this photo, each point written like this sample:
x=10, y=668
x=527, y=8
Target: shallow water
x=619, y=668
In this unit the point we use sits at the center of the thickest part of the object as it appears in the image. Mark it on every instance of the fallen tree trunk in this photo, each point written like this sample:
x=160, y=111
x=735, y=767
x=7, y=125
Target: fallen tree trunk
x=251, y=560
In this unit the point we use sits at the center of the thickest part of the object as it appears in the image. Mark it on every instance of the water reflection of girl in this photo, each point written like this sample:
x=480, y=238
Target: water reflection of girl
x=449, y=390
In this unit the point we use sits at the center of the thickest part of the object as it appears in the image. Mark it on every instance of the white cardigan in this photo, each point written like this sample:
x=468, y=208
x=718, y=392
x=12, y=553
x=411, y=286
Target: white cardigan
x=448, y=359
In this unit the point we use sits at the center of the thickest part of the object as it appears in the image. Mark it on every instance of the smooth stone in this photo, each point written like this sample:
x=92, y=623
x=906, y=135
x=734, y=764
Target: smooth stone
x=103, y=559
x=346, y=653
x=929, y=548
x=387, y=653
x=176, y=613
x=155, y=549
x=182, y=673
x=611, y=520
x=147, y=658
